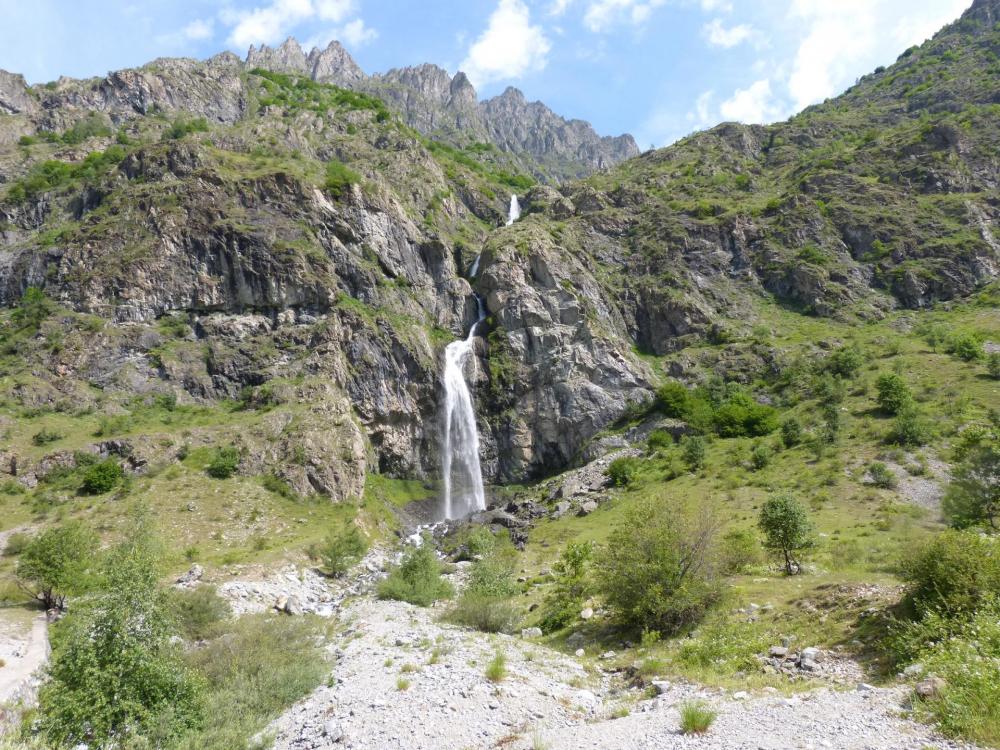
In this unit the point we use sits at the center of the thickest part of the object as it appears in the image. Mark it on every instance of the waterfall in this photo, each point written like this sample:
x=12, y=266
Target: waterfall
x=514, y=213
x=463, y=478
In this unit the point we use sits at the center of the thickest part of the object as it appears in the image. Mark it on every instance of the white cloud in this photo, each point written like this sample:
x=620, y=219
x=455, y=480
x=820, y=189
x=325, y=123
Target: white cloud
x=270, y=24
x=199, y=29
x=509, y=48
x=602, y=14
x=702, y=114
x=558, y=7
x=720, y=36
x=719, y=6
x=755, y=104
x=850, y=35
x=356, y=34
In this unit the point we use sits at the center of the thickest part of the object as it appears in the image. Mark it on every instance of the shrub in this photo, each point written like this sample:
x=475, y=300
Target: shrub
x=659, y=440
x=739, y=551
x=910, y=428
x=32, y=310
x=102, y=477
x=339, y=178
x=496, y=670
x=791, y=432
x=882, y=476
x=693, y=451
x=254, y=671
x=973, y=496
x=565, y=598
x=417, y=579
x=656, y=571
x=44, y=437
x=16, y=544
x=673, y=399
x=225, y=462
x=182, y=127
x=993, y=365
x=787, y=529
x=486, y=602
x=893, y=393
x=965, y=346
x=91, y=126
x=53, y=564
x=965, y=652
x=846, y=362
x=696, y=718
x=622, y=471
x=953, y=574
x=197, y=611
x=741, y=416
x=760, y=456
x=342, y=549
x=115, y=679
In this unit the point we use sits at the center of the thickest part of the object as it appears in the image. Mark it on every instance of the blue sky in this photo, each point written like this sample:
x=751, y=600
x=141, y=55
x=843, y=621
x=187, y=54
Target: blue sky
x=655, y=68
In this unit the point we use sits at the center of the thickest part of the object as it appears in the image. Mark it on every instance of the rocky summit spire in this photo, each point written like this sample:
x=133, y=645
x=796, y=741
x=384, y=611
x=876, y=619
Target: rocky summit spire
x=335, y=65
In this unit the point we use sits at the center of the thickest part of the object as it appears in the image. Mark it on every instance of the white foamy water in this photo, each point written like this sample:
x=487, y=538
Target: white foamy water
x=460, y=470
x=514, y=212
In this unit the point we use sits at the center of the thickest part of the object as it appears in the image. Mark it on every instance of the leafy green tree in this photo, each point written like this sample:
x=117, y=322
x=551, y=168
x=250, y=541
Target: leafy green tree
x=740, y=416
x=693, y=452
x=787, y=529
x=674, y=399
x=910, y=428
x=760, y=456
x=33, y=309
x=993, y=365
x=342, y=549
x=965, y=346
x=115, y=680
x=102, y=477
x=893, y=393
x=565, y=599
x=846, y=362
x=791, y=432
x=657, y=569
x=53, y=564
x=973, y=496
x=417, y=579
x=224, y=463
x=623, y=471
x=954, y=573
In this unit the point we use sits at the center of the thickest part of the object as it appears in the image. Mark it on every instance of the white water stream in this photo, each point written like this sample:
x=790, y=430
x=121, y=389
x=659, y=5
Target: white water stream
x=460, y=469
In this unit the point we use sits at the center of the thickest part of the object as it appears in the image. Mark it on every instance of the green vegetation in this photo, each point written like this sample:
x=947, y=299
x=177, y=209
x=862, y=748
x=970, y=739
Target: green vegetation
x=55, y=175
x=486, y=603
x=54, y=564
x=973, y=497
x=417, y=579
x=622, y=471
x=656, y=570
x=341, y=549
x=696, y=718
x=182, y=127
x=225, y=462
x=564, y=600
x=787, y=530
x=101, y=477
x=496, y=670
x=339, y=178
x=894, y=394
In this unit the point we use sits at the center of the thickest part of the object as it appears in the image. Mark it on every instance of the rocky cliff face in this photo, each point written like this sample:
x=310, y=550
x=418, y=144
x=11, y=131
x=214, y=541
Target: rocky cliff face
x=302, y=254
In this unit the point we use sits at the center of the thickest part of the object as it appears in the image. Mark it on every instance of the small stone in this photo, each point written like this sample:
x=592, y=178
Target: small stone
x=587, y=508
x=293, y=606
x=932, y=687
x=811, y=654
x=192, y=576
x=333, y=731
x=586, y=613
x=864, y=687
x=740, y=695
x=280, y=604
x=608, y=655
x=661, y=686
x=914, y=670
x=579, y=652
x=779, y=652
x=531, y=632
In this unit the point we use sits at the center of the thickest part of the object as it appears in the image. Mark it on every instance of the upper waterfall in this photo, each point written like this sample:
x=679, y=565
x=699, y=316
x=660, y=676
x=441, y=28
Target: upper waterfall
x=514, y=212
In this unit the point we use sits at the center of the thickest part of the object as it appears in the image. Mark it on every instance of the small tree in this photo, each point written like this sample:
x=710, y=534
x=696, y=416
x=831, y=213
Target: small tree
x=342, y=549
x=224, y=463
x=787, y=529
x=893, y=393
x=791, y=432
x=115, y=679
x=417, y=579
x=846, y=362
x=622, y=471
x=993, y=365
x=973, y=497
x=657, y=569
x=693, y=451
x=101, y=477
x=572, y=585
x=53, y=565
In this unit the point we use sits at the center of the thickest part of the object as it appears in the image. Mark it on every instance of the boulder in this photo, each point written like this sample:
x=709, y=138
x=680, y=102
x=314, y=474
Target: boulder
x=932, y=687
x=531, y=632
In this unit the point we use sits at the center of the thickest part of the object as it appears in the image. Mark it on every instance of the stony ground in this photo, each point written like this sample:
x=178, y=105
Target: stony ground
x=404, y=679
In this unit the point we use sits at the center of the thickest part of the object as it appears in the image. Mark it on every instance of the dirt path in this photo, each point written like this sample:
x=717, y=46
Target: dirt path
x=23, y=657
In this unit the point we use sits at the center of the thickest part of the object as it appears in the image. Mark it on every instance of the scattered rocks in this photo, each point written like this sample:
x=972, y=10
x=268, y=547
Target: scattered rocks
x=192, y=577
x=932, y=687
x=531, y=632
